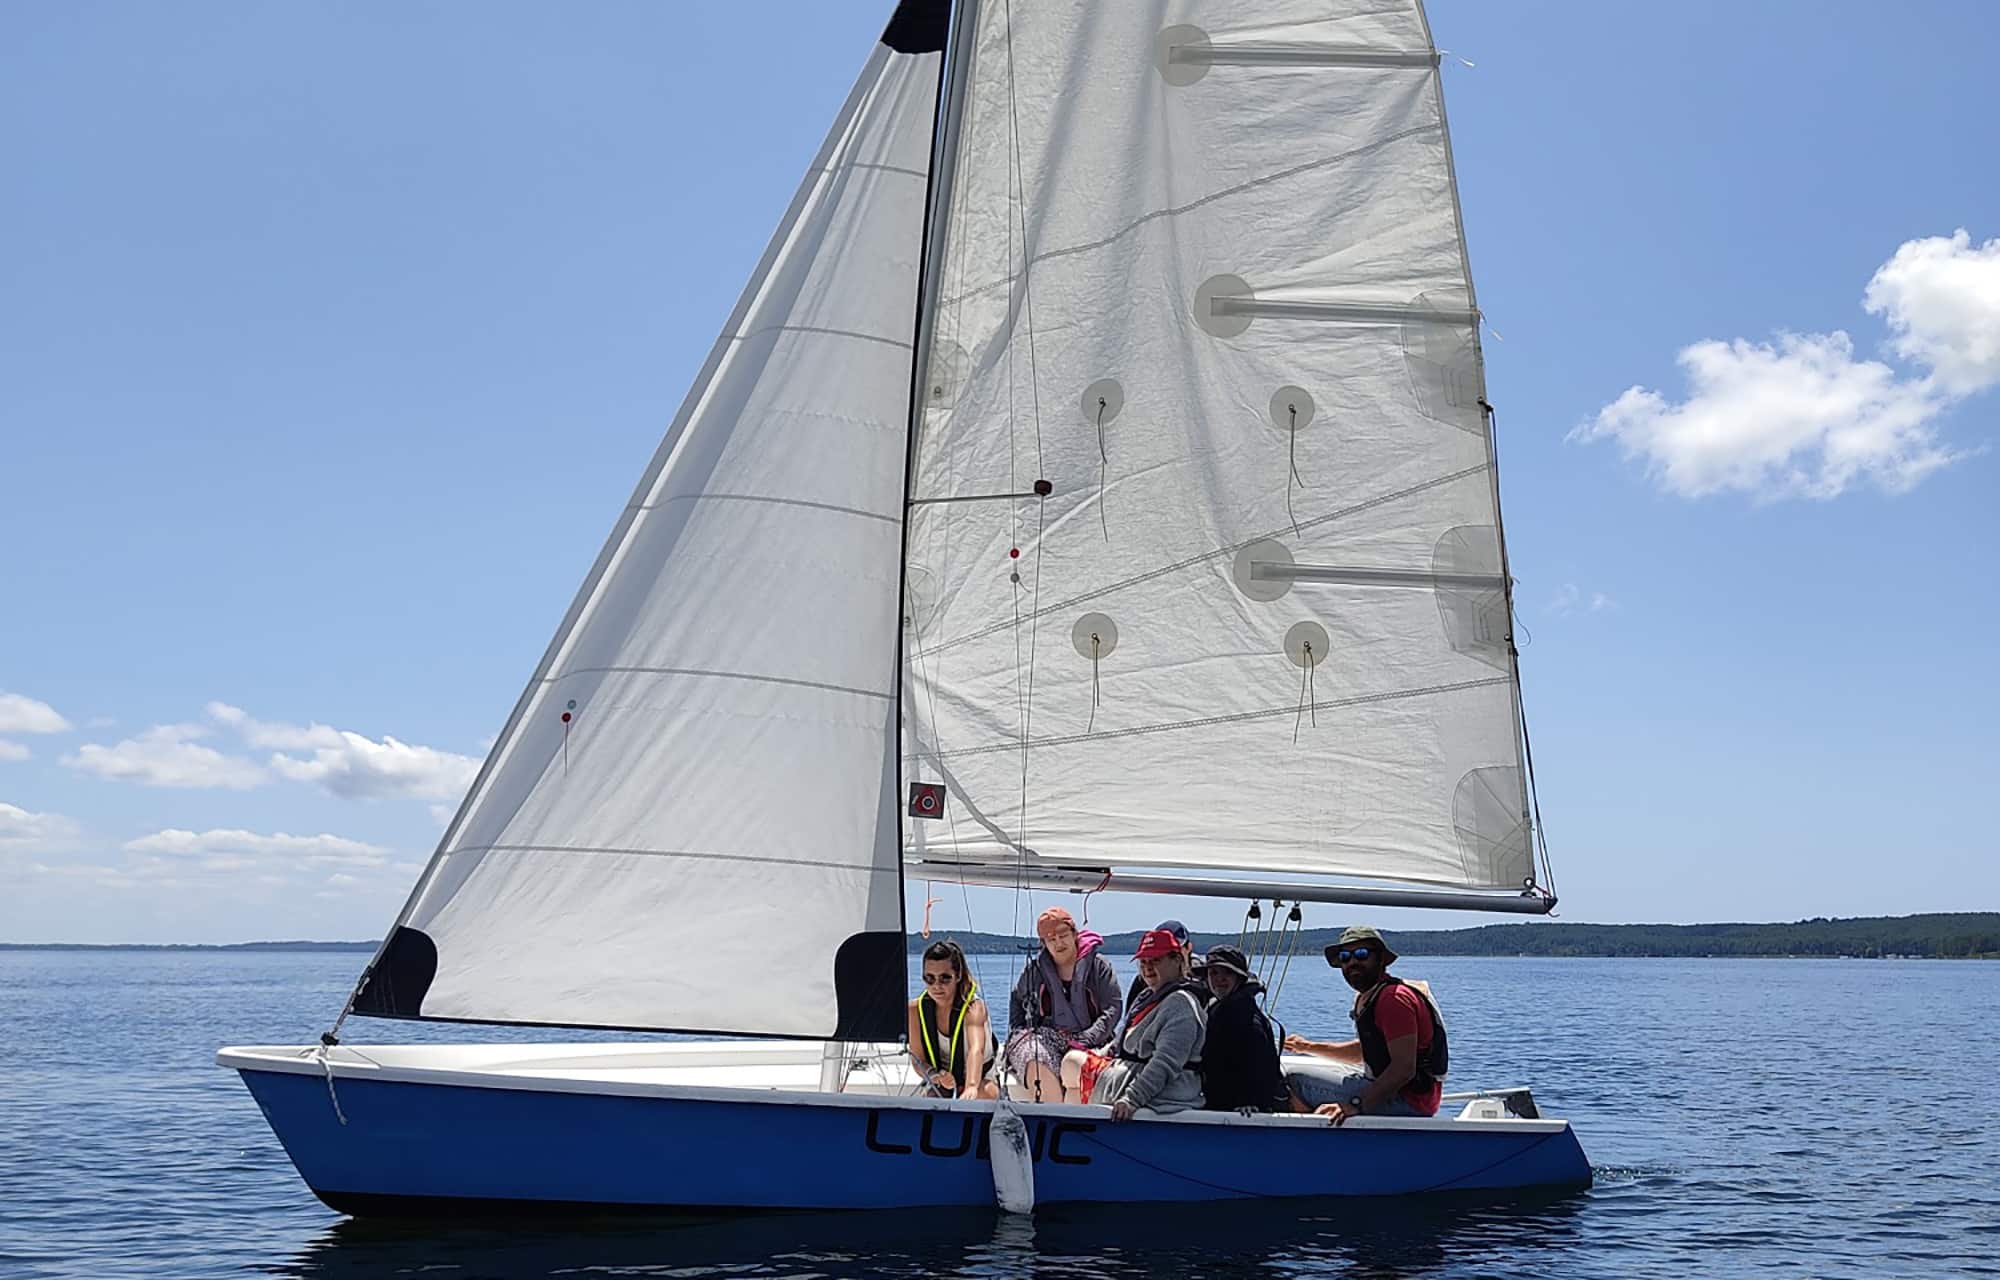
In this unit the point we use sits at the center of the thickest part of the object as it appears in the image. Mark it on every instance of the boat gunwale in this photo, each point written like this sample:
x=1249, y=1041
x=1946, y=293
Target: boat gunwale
x=307, y=1060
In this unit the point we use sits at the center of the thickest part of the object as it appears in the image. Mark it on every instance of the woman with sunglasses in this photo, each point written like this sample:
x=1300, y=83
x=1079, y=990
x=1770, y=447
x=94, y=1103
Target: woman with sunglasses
x=1395, y=1065
x=951, y=1037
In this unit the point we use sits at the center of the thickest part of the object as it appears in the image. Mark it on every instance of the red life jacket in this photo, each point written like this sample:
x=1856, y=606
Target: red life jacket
x=1432, y=1059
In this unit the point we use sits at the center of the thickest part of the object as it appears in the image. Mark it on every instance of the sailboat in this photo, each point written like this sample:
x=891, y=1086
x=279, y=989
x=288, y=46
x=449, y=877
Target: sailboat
x=1093, y=490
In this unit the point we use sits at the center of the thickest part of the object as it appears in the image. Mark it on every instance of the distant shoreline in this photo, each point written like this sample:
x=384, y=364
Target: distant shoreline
x=1941, y=936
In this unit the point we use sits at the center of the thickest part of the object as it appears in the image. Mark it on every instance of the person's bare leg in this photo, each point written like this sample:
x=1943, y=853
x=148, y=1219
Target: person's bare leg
x=1072, y=1076
x=1043, y=1084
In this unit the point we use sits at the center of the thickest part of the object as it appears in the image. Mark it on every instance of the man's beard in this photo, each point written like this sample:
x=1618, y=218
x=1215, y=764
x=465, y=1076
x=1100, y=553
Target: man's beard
x=1359, y=979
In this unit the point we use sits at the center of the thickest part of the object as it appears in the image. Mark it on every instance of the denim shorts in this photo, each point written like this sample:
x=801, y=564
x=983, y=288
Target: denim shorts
x=1317, y=1087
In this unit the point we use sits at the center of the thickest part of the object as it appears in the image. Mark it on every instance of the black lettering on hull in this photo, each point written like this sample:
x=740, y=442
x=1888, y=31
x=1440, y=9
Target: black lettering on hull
x=874, y=1138
x=947, y=1135
x=968, y=1130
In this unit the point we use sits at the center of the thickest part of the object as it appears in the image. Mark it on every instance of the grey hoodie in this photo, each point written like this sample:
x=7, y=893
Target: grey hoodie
x=1170, y=1039
x=1093, y=975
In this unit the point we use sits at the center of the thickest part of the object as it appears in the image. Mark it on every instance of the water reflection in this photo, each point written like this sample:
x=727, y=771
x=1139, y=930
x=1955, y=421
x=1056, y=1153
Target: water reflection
x=1435, y=1235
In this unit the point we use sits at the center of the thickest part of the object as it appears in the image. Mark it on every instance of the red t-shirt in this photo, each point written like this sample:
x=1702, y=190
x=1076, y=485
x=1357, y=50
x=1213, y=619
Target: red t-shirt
x=1400, y=1012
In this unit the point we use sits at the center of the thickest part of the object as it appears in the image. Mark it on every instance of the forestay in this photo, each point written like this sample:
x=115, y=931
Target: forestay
x=716, y=716
x=1204, y=274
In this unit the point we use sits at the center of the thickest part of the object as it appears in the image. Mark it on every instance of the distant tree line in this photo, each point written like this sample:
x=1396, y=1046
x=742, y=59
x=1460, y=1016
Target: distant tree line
x=1946, y=936
x=1959, y=936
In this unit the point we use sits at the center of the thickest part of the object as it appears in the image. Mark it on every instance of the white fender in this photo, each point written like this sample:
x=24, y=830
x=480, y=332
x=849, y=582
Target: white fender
x=1013, y=1164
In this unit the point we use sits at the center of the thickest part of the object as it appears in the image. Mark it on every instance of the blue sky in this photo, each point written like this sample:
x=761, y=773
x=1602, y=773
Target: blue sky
x=334, y=337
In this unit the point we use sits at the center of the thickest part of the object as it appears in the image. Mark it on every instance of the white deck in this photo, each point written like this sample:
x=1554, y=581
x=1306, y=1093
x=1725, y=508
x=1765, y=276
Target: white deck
x=785, y=1072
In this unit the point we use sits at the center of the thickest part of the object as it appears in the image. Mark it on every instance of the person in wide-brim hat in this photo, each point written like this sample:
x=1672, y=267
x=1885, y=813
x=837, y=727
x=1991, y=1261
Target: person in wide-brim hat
x=1239, y=1060
x=1356, y=936
x=1395, y=1064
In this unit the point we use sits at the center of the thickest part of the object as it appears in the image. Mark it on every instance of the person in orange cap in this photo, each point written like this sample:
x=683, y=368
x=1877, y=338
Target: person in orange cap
x=1066, y=1000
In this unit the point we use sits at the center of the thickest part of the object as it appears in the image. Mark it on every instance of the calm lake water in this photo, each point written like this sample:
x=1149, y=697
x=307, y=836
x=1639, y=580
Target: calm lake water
x=1745, y=1117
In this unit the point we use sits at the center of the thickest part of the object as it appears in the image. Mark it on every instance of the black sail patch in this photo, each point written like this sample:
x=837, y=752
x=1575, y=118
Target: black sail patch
x=918, y=26
x=869, y=972
x=401, y=978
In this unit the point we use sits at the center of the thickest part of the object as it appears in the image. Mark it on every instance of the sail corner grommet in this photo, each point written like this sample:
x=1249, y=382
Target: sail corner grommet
x=1212, y=309
x=1254, y=584
x=1180, y=53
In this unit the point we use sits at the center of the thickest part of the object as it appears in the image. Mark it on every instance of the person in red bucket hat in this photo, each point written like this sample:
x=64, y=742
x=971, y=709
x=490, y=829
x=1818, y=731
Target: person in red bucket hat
x=1157, y=1066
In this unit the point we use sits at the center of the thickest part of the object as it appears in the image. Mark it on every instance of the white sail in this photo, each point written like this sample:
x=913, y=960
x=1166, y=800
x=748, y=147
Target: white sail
x=698, y=784
x=1205, y=275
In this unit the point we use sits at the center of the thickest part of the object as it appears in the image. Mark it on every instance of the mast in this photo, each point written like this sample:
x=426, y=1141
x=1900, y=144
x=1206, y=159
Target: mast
x=930, y=279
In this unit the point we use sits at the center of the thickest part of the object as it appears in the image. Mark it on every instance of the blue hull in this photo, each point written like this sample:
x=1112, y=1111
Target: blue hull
x=416, y=1147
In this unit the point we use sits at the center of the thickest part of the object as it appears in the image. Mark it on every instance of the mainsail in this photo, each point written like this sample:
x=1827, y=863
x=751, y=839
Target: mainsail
x=1204, y=286
x=717, y=713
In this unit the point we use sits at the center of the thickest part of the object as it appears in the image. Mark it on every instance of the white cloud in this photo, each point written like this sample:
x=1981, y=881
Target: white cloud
x=1802, y=416
x=237, y=862
x=1798, y=418
x=233, y=848
x=167, y=755
x=13, y=750
x=350, y=764
x=22, y=714
x=22, y=830
x=1941, y=298
x=1569, y=598
x=272, y=736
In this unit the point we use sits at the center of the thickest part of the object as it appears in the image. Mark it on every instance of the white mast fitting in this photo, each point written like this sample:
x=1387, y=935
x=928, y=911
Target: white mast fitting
x=1206, y=589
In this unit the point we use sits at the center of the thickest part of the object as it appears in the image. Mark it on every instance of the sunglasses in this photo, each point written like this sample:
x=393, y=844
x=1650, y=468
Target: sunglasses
x=939, y=979
x=1357, y=953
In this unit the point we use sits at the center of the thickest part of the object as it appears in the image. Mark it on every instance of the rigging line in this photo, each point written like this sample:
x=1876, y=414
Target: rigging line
x=1200, y=557
x=1035, y=390
x=1238, y=717
x=1095, y=687
x=1103, y=466
x=1307, y=695
x=1268, y=971
x=1175, y=211
x=1271, y=1004
x=1538, y=838
x=1535, y=804
x=1283, y=951
x=1027, y=251
x=950, y=816
x=1292, y=460
x=1028, y=713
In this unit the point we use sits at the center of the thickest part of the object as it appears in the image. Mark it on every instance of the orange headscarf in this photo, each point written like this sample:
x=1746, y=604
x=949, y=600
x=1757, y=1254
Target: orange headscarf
x=1054, y=915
